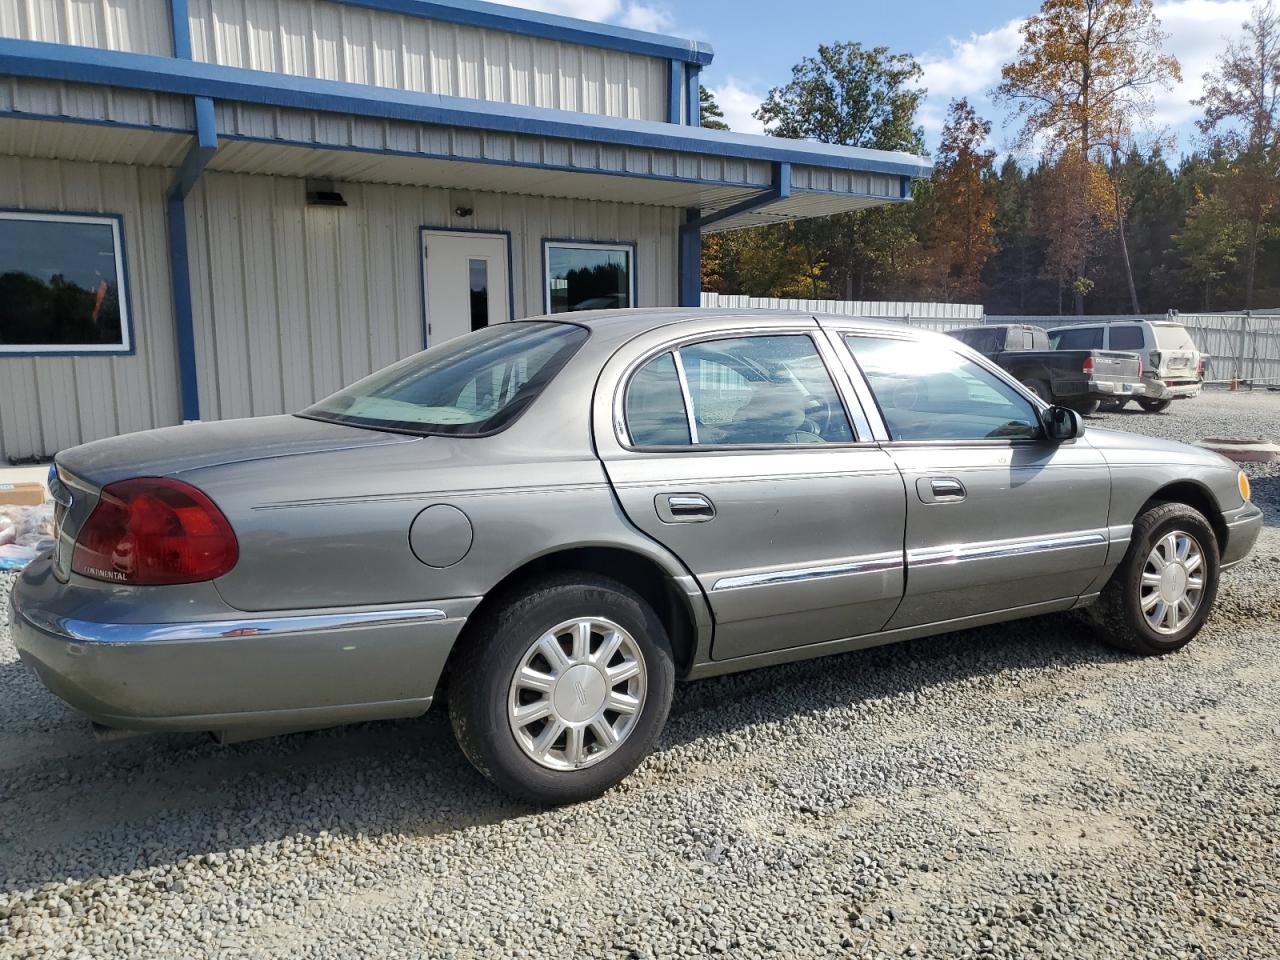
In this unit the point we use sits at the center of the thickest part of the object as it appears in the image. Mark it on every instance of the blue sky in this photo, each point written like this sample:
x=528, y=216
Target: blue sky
x=960, y=45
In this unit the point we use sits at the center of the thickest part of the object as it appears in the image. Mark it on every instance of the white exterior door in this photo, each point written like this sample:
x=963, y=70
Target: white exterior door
x=467, y=282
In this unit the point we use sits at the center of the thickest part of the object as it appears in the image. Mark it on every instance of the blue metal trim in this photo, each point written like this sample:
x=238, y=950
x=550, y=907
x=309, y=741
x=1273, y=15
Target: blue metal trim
x=180, y=21
x=201, y=151
x=905, y=188
x=690, y=259
x=566, y=241
x=422, y=269
x=693, y=95
x=546, y=26
x=184, y=327
x=190, y=78
x=674, y=80
x=90, y=122
x=127, y=326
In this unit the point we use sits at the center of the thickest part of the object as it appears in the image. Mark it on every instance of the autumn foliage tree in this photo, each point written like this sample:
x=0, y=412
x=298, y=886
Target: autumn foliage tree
x=959, y=216
x=1081, y=84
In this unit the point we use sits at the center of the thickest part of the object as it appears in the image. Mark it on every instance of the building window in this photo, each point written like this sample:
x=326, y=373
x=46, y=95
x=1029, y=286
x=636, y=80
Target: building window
x=62, y=284
x=589, y=276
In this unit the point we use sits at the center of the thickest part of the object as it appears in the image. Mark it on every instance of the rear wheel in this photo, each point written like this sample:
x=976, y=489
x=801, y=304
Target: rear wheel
x=1085, y=408
x=1166, y=585
x=560, y=692
x=1040, y=388
x=1154, y=406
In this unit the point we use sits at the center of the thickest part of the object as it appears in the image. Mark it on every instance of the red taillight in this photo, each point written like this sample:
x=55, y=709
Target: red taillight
x=152, y=531
x=1200, y=365
x=1087, y=369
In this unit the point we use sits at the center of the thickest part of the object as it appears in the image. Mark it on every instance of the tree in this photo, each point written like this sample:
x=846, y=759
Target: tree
x=959, y=217
x=712, y=115
x=1210, y=242
x=1081, y=82
x=1241, y=106
x=859, y=97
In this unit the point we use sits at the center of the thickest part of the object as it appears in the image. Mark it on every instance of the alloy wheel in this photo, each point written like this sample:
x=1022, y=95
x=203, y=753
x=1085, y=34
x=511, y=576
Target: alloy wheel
x=577, y=693
x=1172, y=582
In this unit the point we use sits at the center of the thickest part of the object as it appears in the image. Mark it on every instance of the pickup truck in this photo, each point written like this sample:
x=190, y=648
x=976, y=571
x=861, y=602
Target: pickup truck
x=1080, y=379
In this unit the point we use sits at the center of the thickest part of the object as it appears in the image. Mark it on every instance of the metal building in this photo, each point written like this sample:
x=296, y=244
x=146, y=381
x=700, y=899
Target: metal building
x=224, y=208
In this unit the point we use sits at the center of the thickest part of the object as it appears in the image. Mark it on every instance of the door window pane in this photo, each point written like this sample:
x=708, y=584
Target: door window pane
x=928, y=392
x=478, y=271
x=1126, y=338
x=588, y=277
x=61, y=285
x=763, y=390
x=655, y=410
x=1076, y=338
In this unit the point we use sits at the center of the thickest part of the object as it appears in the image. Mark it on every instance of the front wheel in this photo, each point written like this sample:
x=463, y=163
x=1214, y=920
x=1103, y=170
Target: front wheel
x=1165, y=588
x=1154, y=406
x=561, y=691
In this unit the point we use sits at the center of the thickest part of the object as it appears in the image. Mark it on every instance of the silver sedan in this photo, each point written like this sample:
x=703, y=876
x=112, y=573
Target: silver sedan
x=554, y=519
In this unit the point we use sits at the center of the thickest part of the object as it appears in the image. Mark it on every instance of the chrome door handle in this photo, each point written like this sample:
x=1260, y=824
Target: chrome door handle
x=684, y=508
x=940, y=490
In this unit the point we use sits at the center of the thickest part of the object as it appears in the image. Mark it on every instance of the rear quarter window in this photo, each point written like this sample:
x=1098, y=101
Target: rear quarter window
x=1076, y=338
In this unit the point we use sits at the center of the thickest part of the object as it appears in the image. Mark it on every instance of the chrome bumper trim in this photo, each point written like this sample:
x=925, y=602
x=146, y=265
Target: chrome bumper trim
x=869, y=564
x=960, y=552
x=87, y=631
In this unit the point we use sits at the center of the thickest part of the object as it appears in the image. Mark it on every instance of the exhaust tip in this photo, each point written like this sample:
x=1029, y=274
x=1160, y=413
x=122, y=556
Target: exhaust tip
x=104, y=734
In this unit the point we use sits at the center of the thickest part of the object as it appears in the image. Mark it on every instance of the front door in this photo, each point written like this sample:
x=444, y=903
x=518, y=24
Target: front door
x=467, y=282
x=742, y=459
x=997, y=517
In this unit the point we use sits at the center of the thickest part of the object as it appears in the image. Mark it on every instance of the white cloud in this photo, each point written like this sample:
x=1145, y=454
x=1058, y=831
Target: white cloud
x=738, y=104
x=1197, y=29
x=638, y=16
x=643, y=16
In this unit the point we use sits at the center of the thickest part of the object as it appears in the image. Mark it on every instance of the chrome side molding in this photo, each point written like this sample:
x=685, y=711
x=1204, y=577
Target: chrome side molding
x=960, y=552
x=872, y=563
x=87, y=631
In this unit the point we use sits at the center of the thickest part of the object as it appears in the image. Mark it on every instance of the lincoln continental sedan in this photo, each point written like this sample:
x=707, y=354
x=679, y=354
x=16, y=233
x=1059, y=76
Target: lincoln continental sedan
x=546, y=523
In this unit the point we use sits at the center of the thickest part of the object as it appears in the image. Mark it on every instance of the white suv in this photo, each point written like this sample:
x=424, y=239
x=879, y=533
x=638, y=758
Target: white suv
x=1172, y=365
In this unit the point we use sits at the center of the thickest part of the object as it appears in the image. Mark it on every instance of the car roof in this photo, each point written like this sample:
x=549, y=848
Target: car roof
x=636, y=320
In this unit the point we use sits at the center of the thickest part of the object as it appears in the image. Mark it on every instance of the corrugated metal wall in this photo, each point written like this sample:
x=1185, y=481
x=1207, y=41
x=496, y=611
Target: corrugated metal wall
x=293, y=302
x=135, y=26
x=48, y=403
x=330, y=41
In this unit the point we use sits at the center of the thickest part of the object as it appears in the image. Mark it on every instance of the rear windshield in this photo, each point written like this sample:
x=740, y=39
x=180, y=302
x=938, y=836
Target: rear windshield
x=1173, y=338
x=475, y=385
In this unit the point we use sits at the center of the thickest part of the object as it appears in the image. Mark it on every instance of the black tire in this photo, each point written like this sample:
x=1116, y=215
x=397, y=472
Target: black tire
x=1113, y=406
x=1118, y=611
x=1040, y=388
x=1086, y=408
x=1154, y=406
x=481, y=675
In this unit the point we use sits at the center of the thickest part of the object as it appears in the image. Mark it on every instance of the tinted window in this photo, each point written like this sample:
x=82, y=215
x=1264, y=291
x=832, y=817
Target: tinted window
x=763, y=390
x=472, y=385
x=587, y=277
x=655, y=408
x=927, y=392
x=1076, y=338
x=61, y=284
x=1126, y=338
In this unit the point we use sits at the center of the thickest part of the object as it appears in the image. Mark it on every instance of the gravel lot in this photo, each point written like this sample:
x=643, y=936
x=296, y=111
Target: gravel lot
x=1018, y=791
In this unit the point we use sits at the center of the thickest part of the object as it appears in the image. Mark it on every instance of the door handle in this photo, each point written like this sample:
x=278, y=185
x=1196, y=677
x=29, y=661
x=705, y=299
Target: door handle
x=940, y=490
x=684, y=508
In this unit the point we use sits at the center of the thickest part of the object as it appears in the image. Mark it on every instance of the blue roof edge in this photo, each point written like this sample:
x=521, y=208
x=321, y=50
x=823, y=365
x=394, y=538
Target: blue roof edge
x=51, y=61
x=549, y=26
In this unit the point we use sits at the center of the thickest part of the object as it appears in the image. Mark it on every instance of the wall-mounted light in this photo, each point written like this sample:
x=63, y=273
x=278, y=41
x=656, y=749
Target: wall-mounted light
x=463, y=212
x=321, y=193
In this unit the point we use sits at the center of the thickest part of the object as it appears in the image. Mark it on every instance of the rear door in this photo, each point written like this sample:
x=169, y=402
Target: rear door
x=997, y=518
x=735, y=450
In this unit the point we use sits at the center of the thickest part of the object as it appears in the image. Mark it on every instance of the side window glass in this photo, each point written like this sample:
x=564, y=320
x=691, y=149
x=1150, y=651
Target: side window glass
x=927, y=392
x=1126, y=338
x=654, y=407
x=1078, y=338
x=763, y=390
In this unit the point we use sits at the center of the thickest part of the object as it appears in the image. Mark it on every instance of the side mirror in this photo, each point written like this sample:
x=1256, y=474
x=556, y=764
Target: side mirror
x=1061, y=424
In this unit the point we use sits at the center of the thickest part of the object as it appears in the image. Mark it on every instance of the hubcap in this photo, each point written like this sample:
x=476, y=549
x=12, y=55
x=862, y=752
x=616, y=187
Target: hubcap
x=577, y=693
x=1172, y=582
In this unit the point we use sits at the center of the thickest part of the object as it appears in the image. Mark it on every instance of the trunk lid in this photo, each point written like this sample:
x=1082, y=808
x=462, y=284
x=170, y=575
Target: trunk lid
x=80, y=473
x=1113, y=365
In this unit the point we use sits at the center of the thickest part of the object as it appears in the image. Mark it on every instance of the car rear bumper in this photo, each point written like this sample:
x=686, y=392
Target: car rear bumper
x=1097, y=389
x=1172, y=389
x=1243, y=527
x=239, y=675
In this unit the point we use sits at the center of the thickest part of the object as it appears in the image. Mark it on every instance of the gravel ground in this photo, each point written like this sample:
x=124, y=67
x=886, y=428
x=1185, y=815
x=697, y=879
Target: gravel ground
x=1018, y=791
